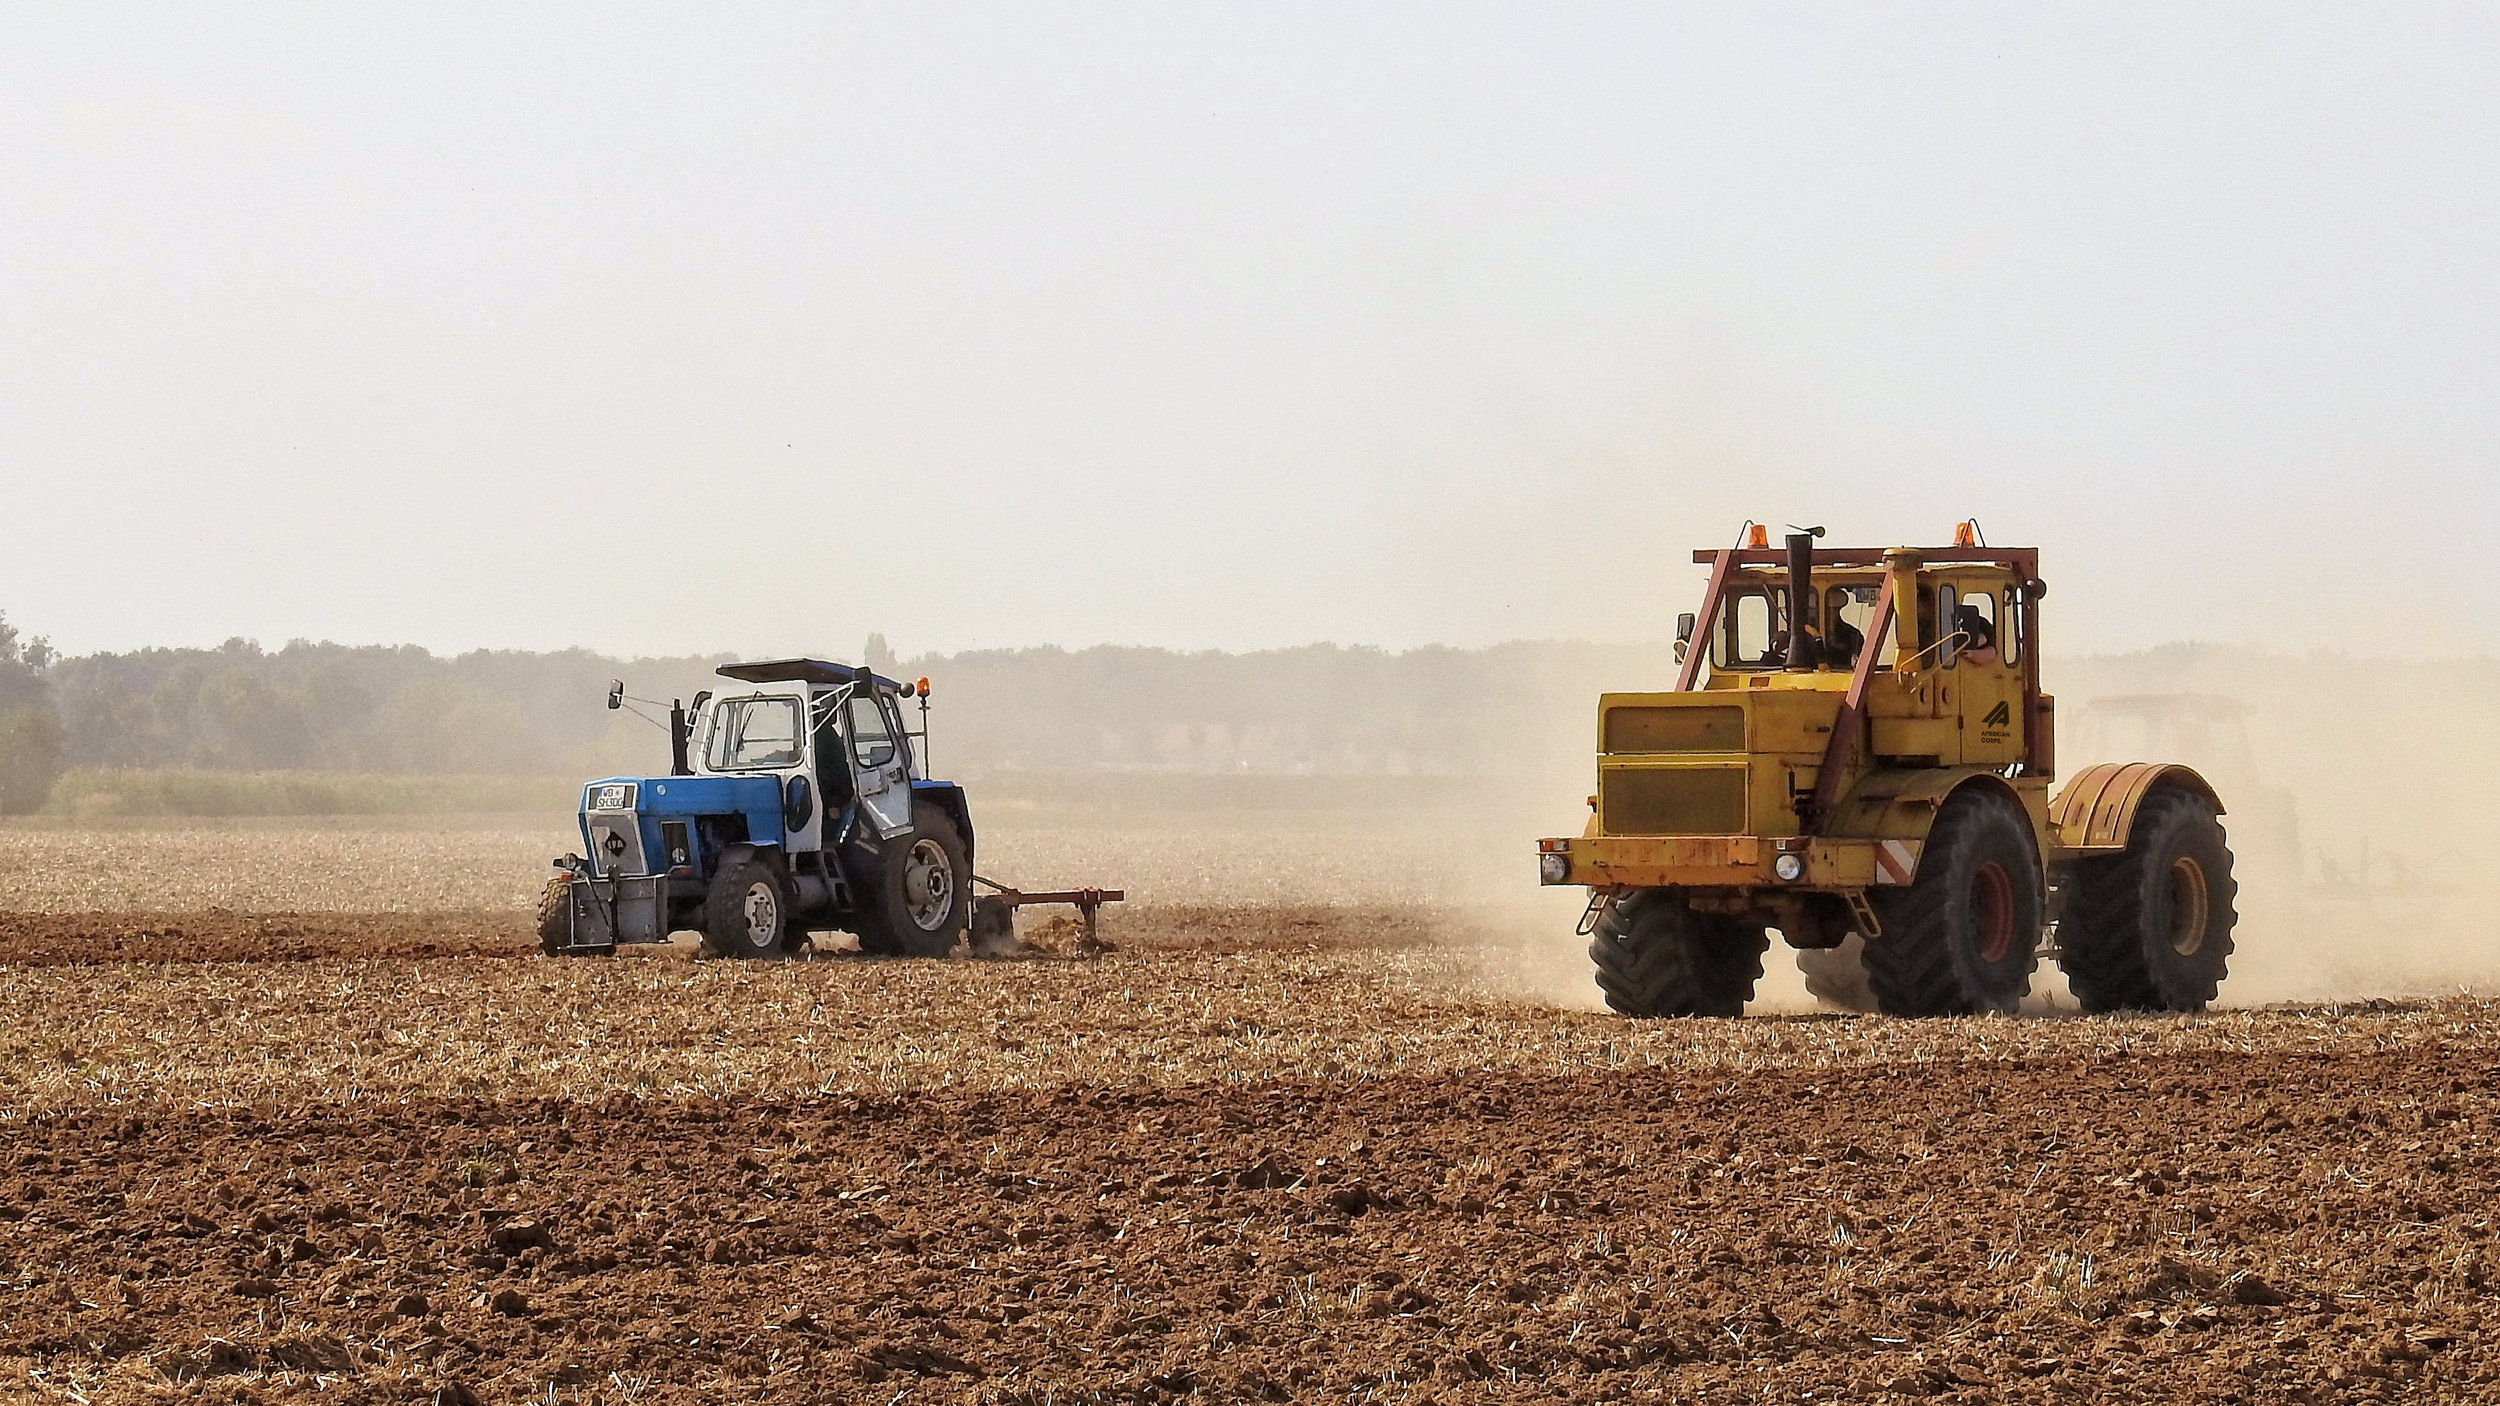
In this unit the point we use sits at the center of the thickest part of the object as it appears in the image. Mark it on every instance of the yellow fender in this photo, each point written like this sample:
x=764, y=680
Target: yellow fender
x=1902, y=805
x=2095, y=812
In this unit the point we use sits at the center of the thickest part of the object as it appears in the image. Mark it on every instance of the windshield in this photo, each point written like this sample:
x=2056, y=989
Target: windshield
x=1751, y=632
x=752, y=734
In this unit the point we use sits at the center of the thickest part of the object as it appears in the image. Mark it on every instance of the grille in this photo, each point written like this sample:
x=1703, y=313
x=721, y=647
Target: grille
x=624, y=856
x=1717, y=728
x=1672, y=800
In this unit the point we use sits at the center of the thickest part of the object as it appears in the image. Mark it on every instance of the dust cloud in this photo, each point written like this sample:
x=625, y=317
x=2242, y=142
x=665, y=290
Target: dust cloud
x=2357, y=798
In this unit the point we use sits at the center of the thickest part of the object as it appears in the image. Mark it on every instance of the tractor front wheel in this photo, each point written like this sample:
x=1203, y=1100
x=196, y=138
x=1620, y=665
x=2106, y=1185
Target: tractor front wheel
x=1655, y=956
x=747, y=913
x=555, y=918
x=1963, y=938
x=2150, y=929
x=916, y=898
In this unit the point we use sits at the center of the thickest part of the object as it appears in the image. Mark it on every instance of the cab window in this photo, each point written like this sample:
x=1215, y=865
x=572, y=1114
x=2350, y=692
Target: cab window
x=901, y=727
x=1973, y=620
x=1853, y=607
x=872, y=741
x=753, y=734
x=1749, y=631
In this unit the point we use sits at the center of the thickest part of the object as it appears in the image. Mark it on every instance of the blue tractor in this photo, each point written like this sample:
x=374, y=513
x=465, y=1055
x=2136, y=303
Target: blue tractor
x=798, y=803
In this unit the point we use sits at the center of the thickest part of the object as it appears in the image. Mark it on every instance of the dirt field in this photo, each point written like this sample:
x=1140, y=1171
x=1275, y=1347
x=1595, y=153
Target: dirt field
x=1267, y=1149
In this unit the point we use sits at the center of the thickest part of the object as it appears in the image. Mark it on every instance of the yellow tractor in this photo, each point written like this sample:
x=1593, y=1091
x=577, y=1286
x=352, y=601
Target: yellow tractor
x=1857, y=747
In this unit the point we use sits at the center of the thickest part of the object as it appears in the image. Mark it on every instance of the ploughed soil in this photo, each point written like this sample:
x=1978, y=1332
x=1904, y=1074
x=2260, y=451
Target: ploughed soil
x=2271, y=1225
x=218, y=935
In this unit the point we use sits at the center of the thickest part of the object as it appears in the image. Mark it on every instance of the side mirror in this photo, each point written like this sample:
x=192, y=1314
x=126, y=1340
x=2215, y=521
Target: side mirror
x=616, y=694
x=1681, y=649
x=1684, y=627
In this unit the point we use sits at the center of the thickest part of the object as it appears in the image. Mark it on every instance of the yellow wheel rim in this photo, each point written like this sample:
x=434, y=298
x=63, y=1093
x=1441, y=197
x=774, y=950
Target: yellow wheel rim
x=2190, y=909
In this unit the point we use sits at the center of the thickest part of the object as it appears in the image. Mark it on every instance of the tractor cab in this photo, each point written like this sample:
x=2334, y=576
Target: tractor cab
x=1947, y=678
x=835, y=737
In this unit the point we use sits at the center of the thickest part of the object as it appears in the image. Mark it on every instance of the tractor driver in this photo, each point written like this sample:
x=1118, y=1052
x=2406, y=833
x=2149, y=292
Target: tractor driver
x=1844, y=641
x=1839, y=648
x=1979, y=637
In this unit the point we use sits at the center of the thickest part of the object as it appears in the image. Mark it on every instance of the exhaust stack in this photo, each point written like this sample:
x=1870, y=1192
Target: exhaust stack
x=1802, y=653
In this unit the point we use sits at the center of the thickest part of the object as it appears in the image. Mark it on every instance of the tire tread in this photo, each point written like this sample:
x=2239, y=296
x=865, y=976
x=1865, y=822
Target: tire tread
x=1657, y=958
x=2105, y=949
x=1914, y=969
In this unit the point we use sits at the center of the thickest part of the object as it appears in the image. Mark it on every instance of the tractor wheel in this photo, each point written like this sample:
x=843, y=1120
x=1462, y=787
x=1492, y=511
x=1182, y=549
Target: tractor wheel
x=1657, y=957
x=1836, y=976
x=1963, y=938
x=2150, y=929
x=748, y=912
x=917, y=898
x=555, y=918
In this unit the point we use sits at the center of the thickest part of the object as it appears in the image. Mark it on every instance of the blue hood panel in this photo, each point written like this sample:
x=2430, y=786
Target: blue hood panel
x=658, y=798
x=699, y=795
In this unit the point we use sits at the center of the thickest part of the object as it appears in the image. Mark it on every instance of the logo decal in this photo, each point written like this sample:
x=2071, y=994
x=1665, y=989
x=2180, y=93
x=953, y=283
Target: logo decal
x=1998, y=716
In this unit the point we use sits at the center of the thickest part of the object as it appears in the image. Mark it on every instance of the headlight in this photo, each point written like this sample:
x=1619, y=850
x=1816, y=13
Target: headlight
x=1554, y=868
x=1790, y=867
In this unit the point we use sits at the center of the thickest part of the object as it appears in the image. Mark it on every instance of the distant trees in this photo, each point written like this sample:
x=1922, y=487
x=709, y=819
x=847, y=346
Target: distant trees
x=1315, y=709
x=31, y=737
x=332, y=707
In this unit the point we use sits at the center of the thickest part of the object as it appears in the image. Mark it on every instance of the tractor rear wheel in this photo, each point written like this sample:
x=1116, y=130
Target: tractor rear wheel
x=1655, y=956
x=2150, y=929
x=1836, y=976
x=916, y=898
x=1963, y=938
x=748, y=912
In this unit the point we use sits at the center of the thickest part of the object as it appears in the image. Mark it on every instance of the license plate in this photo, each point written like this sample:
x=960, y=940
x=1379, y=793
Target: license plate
x=617, y=796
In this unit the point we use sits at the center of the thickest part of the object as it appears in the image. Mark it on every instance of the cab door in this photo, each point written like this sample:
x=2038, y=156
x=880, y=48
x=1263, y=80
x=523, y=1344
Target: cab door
x=1987, y=685
x=879, y=770
x=766, y=734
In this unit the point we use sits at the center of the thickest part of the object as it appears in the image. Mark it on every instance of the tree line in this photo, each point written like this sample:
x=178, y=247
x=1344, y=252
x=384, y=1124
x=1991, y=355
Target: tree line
x=307, y=706
x=1522, y=710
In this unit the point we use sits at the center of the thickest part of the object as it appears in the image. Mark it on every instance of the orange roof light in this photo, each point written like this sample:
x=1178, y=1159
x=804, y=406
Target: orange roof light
x=1964, y=536
x=1760, y=537
x=922, y=687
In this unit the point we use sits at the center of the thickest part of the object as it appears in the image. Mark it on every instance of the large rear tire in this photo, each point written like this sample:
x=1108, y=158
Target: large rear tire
x=748, y=912
x=918, y=894
x=1655, y=957
x=2151, y=929
x=1836, y=976
x=1963, y=938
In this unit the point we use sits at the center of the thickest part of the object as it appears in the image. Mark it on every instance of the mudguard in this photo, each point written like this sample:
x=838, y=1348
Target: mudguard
x=1901, y=805
x=2095, y=812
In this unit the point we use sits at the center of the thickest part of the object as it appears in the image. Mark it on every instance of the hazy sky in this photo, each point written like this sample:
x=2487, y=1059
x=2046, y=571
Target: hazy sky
x=705, y=327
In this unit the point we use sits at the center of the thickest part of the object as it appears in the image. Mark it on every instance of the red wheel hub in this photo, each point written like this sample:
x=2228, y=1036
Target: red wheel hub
x=1992, y=911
